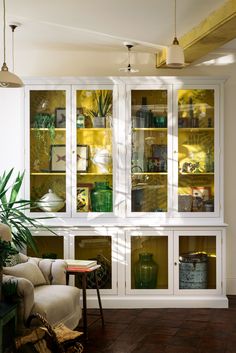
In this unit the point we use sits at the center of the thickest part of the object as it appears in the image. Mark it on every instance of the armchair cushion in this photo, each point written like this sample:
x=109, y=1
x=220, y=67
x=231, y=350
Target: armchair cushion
x=58, y=304
x=28, y=270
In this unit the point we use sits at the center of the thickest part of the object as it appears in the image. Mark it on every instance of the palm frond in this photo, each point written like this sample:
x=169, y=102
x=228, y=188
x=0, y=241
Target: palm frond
x=12, y=212
x=16, y=188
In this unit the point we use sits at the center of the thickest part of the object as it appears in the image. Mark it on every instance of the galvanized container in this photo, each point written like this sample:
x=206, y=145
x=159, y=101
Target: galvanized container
x=193, y=271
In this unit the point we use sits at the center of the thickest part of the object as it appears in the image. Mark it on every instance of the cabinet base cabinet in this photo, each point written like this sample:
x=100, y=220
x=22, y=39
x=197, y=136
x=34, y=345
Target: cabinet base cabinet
x=147, y=267
x=146, y=302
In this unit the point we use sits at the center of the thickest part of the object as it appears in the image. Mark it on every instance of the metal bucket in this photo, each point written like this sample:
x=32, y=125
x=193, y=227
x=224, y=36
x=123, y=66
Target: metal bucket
x=193, y=271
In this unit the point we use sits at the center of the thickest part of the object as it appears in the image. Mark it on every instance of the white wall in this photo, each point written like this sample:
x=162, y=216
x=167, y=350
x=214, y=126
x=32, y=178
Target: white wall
x=55, y=63
x=12, y=129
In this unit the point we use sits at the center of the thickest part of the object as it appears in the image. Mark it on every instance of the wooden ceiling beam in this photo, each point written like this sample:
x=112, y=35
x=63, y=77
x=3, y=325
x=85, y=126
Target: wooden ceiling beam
x=214, y=31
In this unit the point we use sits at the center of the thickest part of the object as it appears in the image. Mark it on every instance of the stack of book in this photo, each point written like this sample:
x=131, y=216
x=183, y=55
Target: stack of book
x=81, y=264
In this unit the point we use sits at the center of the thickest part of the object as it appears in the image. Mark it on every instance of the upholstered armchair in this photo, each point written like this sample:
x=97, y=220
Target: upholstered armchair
x=41, y=287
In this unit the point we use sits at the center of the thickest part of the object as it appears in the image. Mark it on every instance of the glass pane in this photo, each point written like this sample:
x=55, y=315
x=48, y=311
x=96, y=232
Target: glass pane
x=197, y=262
x=95, y=248
x=48, y=150
x=149, y=262
x=149, y=151
x=51, y=247
x=196, y=150
x=94, y=151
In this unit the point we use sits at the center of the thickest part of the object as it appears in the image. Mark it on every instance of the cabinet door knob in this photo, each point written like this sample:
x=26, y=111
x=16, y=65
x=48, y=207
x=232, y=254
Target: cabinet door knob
x=175, y=263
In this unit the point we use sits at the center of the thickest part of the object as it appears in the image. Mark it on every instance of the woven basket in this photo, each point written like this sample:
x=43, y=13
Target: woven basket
x=48, y=339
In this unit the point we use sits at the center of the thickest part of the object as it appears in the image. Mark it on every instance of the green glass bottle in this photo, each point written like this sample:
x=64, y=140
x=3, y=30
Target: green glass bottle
x=145, y=272
x=101, y=197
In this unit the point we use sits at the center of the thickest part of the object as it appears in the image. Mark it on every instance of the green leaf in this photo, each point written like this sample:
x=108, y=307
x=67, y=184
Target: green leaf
x=12, y=213
x=16, y=188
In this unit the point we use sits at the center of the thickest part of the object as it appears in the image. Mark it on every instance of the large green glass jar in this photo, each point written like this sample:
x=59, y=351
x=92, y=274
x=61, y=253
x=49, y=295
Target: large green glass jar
x=101, y=197
x=145, y=272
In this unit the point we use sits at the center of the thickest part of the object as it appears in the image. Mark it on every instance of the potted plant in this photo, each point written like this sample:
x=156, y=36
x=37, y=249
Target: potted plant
x=6, y=249
x=12, y=212
x=102, y=108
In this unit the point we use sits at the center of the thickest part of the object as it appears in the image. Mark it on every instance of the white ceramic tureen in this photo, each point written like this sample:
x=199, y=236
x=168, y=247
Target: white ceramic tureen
x=51, y=202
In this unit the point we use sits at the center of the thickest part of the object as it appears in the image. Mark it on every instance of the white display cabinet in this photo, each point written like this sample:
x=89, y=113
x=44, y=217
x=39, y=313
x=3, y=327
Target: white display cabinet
x=142, y=180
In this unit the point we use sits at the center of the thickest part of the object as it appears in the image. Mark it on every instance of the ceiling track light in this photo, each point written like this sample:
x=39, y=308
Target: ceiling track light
x=7, y=78
x=175, y=53
x=129, y=68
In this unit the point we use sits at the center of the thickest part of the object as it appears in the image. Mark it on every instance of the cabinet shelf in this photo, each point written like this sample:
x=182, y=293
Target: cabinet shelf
x=196, y=173
x=93, y=129
x=47, y=129
x=196, y=129
x=48, y=173
x=149, y=129
x=150, y=173
x=81, y=173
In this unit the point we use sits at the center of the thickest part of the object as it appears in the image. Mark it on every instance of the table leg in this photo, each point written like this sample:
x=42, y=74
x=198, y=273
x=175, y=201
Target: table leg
x=84, y=286
x=99, y=298
x=67, y=278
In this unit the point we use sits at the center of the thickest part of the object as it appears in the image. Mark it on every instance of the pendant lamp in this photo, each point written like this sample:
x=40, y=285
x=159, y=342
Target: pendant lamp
x=129, y=68
x=7, y=78
x=175, y=53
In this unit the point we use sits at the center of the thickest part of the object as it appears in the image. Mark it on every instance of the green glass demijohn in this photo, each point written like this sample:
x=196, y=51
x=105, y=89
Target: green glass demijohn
x=145, y=272
x=101, y=197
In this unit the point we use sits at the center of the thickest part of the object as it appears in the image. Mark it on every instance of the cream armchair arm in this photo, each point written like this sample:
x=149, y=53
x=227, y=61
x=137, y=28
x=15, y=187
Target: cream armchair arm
x=53, y=270
x=25, y=296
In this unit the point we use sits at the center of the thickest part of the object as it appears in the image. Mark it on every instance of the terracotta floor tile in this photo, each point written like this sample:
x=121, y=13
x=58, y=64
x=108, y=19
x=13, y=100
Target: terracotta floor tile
x=164, y=331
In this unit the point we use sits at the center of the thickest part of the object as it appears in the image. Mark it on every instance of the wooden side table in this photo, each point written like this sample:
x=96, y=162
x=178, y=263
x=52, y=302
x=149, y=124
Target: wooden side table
x=84, y=272
x=8, y=321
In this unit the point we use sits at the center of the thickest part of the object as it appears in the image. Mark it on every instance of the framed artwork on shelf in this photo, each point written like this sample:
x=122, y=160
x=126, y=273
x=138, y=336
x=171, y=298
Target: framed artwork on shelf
x=82, y=158
x=157, y=165
x=83, y=197
x=203, y=192
x=58, y=158
x=159, y=151
x=60, y=114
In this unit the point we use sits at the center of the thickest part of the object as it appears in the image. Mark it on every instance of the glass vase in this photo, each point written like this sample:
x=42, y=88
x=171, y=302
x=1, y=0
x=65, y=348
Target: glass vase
x=145, y=272
x=101, y=197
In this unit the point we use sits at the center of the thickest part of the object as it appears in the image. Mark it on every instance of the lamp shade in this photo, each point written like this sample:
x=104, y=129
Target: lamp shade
x=5, y=232
x=175, y=56
x=8, y=79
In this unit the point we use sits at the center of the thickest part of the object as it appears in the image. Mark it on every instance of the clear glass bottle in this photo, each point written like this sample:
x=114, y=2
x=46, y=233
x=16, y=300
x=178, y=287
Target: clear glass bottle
x=209, y=162
x=80, y=120
x=143, y=114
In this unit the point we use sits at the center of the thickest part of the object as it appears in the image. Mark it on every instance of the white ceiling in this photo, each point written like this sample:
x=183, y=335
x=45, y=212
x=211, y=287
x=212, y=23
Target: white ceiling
x=103, y=25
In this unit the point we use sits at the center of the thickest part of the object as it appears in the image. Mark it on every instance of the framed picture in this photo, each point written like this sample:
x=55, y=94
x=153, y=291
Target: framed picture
x=58, y=158
x=82, y=158
x=202, y=192
x=157, y=165
x=159, y=151
x=83, y=197
x=60, y=114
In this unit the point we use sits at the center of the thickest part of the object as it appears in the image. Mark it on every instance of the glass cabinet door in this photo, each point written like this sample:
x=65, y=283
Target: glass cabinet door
x=196, y=150
x=198, y=260
x=94, y=163
x=49, y=247
x=149, y=139
x=149, y=261
x=98, y=246
x=47, y=145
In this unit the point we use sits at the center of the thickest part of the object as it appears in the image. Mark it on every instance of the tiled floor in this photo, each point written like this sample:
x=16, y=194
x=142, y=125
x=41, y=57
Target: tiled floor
x=164, y=331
